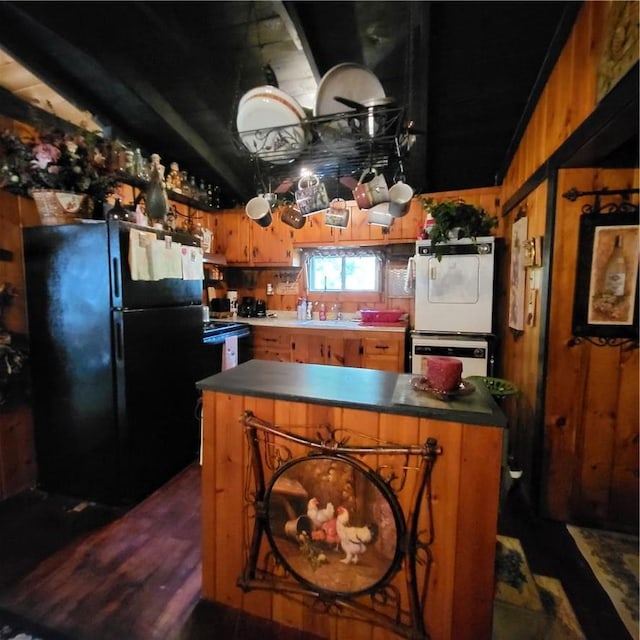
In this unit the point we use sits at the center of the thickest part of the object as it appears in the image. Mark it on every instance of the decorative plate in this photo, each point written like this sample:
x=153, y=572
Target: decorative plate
x=263, y=119
x=347, y=80
x=420, y=383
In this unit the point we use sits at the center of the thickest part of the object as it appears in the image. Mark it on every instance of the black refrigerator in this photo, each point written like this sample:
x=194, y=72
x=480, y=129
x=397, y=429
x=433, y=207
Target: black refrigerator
x=114, y=363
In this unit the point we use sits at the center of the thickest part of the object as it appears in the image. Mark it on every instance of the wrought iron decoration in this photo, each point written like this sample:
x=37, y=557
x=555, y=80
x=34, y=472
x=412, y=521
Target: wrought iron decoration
x=612, y=326
x=335, y=527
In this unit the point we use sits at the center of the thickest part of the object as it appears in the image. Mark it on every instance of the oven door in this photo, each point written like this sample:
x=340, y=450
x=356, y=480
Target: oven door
x=474, y=353
x=455, y=293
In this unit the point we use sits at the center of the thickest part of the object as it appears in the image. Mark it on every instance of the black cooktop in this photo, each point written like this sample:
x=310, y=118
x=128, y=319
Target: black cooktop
x=218, y=330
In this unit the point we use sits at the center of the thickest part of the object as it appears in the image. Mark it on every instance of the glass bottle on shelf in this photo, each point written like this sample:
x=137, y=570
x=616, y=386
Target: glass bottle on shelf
x=184, y=183
x=202, y=193
x=209, y=198
x=193, y=188
x=140, y=169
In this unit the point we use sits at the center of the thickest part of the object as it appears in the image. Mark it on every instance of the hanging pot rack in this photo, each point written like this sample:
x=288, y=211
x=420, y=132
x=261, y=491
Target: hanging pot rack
x=334, y=146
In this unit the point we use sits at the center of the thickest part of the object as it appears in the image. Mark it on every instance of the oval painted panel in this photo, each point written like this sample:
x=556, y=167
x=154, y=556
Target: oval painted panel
x=334, y=524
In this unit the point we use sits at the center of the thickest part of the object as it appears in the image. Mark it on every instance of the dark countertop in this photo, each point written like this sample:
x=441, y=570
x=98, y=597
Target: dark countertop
x=367, y=389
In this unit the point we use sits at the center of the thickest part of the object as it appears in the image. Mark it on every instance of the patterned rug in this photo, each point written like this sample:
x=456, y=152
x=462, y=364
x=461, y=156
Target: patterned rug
x=613, y=558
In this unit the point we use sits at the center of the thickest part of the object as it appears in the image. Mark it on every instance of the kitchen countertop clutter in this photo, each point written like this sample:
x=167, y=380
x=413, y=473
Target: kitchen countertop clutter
x=288, y=320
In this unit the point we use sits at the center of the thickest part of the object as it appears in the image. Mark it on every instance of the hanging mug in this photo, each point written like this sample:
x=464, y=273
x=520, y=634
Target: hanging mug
x=259, y=211
x=400, y=195
x=311, y=195
x=372, y=191
x=337, y=214
x=290, y=215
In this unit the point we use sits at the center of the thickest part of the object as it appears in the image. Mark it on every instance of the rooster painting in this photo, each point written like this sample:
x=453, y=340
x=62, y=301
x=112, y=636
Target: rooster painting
x=353, y=540
x=319, y=516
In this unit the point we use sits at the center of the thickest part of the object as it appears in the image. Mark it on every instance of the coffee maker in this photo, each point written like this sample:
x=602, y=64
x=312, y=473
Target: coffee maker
x=247, y=307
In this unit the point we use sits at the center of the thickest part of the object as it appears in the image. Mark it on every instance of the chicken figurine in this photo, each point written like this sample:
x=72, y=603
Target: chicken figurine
x=353, y=540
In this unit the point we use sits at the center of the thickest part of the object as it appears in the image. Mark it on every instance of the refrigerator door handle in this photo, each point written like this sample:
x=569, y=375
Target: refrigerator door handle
x=115, y=268
x=119, y=340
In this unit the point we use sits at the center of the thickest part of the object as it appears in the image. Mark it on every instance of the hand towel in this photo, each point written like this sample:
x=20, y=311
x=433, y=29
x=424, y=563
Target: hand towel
x=230, y=353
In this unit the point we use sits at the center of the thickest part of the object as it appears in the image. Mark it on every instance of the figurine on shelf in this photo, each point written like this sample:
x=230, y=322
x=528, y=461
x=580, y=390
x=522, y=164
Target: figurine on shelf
x=174, y=179
x=157, y=203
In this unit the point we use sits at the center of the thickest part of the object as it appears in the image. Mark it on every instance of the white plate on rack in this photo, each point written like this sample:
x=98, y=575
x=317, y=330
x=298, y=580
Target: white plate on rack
x=270, y=124
x=347, y=80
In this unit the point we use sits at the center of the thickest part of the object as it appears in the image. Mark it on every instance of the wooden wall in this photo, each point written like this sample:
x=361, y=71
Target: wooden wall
x=17, y=455
x=591, y=409
x=568, y=98
x=590, y=469
x=518, y=357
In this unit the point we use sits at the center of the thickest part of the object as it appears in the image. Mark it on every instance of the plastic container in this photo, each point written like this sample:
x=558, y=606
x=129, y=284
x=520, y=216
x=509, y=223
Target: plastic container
x=387, y=316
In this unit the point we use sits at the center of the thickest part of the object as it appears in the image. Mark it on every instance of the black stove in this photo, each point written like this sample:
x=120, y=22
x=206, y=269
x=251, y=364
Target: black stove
x=216, y=331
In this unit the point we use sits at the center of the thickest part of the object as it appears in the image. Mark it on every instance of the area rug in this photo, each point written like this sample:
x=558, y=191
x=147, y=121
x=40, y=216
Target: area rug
x=613, y=558
x=15, y=627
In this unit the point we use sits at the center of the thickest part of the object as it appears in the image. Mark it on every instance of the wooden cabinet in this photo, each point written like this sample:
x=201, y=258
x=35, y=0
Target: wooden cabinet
x=245, y=243
x=318, y=347
x=271, y=343
x=384, y=350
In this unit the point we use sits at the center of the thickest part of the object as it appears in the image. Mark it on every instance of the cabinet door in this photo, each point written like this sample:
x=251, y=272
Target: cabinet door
x=272, y=245
x=333, y=349
x=352, y=349
x=407, y=227
x=314, y=231
x=359, y=226
x=308, y=348
x=271, y=343
x=234, y=233
x=384, y=351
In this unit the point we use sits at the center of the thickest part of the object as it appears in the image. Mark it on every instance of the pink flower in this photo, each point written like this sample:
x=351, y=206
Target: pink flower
x=45, y=154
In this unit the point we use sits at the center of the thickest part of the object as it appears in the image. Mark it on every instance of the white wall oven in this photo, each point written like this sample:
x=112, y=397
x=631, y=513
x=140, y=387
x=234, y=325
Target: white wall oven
x=454, y=294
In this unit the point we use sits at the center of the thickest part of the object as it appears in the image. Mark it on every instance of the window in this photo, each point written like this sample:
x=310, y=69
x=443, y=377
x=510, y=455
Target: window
x=348, y=272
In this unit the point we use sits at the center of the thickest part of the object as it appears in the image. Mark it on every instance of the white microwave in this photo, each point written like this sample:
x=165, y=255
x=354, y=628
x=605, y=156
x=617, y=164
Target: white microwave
x=455, y=293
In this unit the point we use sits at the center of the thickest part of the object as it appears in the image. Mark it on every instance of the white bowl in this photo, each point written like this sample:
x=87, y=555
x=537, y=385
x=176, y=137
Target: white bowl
x=269, y=122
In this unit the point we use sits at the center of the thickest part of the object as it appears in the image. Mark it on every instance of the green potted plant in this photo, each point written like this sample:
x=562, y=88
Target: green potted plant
x=456, y=219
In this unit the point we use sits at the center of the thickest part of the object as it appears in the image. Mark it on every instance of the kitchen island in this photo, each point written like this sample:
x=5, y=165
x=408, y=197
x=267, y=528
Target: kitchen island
x=389, y=426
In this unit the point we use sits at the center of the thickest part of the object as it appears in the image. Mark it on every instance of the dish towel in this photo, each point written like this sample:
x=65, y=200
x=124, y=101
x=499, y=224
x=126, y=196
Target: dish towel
x=230, y=353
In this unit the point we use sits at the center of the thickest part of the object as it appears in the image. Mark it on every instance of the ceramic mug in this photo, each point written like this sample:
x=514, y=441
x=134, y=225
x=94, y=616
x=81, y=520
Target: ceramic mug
x=291, y=215
x=311, y=195
x=371, y=191
x=337, y=214
x=259, y=211
x=400, y=195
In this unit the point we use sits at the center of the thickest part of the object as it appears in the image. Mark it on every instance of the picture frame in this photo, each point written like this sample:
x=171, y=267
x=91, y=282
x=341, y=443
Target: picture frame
x=517, y=277
x=606, y=286
x=343, y=544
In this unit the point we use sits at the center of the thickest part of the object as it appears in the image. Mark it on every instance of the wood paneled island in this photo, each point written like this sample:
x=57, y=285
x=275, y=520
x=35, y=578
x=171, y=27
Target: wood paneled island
x=440, y=582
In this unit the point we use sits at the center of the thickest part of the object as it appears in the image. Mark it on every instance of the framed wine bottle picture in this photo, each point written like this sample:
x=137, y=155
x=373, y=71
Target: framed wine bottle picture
x=606, y=292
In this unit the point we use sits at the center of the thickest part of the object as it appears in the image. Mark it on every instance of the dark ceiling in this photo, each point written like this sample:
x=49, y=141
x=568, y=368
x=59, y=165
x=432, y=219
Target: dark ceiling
x=167, y=76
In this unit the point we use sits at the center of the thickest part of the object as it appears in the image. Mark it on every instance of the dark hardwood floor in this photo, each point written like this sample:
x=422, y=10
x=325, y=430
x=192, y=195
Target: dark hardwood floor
x=91, y=572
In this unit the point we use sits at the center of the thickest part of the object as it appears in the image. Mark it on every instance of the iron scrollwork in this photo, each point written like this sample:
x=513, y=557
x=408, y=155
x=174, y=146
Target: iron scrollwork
x=605, y=309
x=335, y=527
